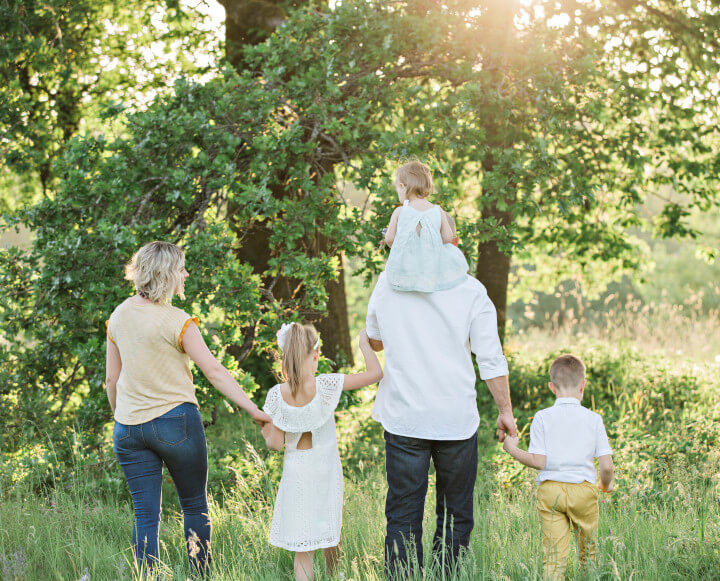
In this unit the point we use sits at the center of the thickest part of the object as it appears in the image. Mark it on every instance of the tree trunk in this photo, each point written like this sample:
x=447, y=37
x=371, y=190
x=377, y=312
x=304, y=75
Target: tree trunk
x=334, y=327
x=493, y=265
x=493, y=269
x=251, y=22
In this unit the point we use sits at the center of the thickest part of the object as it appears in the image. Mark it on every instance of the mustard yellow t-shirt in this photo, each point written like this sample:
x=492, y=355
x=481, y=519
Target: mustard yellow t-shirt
x=155, y=375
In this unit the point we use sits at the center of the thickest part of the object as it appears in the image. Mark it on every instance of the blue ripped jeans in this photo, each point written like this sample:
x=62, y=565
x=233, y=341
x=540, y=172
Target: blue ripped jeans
x=177, y=439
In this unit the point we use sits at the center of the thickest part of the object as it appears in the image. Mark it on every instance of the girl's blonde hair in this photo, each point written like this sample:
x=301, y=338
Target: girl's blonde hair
x=417, y=177
x=156, y=269
x=299, y=343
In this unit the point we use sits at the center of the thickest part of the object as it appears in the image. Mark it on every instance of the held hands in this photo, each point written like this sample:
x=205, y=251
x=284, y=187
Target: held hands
x=510, y=442
x=260, y=417
x=506, y=426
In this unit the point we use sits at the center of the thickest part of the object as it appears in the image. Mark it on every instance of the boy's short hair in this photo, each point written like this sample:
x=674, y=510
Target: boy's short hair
x=567, y=372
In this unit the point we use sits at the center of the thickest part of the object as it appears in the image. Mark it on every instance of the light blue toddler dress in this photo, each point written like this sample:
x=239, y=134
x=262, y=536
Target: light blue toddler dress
x=419, y=261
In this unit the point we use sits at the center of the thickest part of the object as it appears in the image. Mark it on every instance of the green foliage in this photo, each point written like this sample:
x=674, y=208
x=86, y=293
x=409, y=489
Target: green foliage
x=65, y=65
x=648, y=405
x=661, y=521
x=537, y=125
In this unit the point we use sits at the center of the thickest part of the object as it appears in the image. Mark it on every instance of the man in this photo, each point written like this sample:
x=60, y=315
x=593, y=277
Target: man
x=426, y=403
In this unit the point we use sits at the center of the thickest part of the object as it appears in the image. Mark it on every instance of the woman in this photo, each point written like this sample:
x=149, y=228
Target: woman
x=150, y=389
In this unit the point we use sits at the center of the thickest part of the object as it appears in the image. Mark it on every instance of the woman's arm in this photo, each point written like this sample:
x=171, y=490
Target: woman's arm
x=113, y=365
x=392, y=227
x=274, y=437
x=194, y=345
x=373, y=372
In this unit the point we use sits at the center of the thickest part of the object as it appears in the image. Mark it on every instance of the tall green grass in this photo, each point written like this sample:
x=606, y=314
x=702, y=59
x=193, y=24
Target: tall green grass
x=663, y=521
x=65, y=536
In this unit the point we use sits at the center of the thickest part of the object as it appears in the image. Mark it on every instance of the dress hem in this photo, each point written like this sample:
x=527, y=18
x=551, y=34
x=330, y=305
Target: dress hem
x=304, y=549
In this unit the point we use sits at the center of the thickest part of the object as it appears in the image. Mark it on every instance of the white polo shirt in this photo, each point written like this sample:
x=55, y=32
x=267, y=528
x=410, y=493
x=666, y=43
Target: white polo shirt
x=428, y=385
x=570, y=436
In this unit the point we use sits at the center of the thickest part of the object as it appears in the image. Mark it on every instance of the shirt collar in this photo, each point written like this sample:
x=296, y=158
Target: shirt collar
x=567, y=401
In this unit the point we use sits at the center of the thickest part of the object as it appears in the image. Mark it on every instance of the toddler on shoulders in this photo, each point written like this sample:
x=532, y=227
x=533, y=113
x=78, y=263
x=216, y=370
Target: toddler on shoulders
x=423, y=256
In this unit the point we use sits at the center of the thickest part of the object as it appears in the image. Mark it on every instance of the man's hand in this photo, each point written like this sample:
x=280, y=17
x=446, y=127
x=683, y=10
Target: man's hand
x=506, y=425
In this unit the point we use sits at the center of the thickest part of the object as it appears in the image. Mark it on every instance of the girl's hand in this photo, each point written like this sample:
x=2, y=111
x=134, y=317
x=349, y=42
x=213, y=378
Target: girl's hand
x=266, y=430
x=363, y=339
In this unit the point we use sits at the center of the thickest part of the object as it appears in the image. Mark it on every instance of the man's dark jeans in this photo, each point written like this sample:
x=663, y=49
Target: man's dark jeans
x=407, y=462
x=176, y=438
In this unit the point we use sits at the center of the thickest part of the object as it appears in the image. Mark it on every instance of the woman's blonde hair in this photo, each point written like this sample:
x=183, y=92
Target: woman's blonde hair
x=417, y=178
x=156, y=269
x=299, y=343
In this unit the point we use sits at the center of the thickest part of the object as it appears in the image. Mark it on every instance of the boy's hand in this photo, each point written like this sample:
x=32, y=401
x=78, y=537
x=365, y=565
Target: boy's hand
x=510, y=442
x=608, y=489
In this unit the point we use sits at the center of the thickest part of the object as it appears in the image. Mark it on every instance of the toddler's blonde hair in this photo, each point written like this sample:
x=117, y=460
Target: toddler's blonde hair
x=299, y=343
x=156, y=269
x=567, y=372
x=417, y=178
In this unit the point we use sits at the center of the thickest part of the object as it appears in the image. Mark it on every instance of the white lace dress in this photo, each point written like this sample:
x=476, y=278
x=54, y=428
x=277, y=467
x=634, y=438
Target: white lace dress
x=308, y=508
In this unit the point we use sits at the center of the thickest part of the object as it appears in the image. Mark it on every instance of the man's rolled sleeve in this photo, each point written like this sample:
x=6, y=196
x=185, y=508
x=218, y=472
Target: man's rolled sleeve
x=371, y=322
x=484, y=339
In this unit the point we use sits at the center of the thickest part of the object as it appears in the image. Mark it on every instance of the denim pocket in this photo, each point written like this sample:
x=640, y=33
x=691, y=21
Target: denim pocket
x=170, y=430
x=405, y=441
x=120, y=432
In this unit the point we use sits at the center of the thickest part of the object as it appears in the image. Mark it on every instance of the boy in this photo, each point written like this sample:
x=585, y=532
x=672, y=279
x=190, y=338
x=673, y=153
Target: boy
x=564, y=439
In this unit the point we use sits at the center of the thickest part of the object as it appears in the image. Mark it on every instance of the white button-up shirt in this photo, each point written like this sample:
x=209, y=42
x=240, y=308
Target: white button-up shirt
x=428, y=385
x=570, y=436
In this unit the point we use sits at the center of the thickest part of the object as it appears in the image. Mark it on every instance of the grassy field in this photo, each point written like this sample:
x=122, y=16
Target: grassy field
x=663, y=420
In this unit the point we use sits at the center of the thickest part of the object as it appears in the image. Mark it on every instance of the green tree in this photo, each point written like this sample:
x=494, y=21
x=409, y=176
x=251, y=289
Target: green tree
x=66, y=65
x=634, y=110
x=539, y=140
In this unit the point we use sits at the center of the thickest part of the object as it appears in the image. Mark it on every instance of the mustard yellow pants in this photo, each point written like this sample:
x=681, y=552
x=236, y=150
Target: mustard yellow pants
x=564, y=506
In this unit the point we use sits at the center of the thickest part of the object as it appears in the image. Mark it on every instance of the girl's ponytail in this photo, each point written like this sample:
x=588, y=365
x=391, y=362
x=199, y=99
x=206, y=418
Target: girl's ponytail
x=300, y=342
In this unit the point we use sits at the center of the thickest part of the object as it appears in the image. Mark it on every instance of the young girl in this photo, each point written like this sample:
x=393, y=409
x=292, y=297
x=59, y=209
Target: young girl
x=308, y=508
x=422, y=254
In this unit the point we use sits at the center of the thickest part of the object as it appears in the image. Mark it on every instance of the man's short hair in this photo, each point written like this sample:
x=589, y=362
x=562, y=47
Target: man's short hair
x=567, y=372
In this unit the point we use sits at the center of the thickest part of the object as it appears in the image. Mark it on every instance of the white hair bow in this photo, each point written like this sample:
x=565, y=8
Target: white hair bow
x=282, y=336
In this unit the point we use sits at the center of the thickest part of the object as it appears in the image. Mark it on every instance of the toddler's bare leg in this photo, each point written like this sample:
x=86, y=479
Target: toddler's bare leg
x=332, y=556
x=304, y=566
